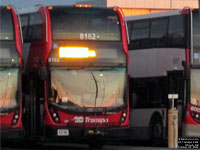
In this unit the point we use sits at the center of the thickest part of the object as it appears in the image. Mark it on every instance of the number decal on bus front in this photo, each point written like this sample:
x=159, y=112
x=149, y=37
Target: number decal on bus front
x=54, y=60
x=87, y=36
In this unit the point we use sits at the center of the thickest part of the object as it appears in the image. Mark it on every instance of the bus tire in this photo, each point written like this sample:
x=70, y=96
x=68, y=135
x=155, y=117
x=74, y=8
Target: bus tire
x=156, y=131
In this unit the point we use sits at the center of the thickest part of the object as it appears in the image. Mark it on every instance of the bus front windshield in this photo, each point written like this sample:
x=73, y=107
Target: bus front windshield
x=8, y=87
x=196, y=37
x=195, y=87
x=6, y=25
x=89, y=87
x=85, y=24
x=195, y=72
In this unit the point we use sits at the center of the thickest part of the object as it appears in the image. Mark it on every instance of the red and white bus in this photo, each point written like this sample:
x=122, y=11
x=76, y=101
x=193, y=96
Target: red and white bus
x=164, y=58
x=10, y=74
x=85, y=53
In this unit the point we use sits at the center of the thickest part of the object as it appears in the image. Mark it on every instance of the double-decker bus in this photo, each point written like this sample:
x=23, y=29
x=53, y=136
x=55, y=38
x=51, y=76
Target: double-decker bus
x=82, y=54
x=164, y=58
x=10, y=74
x=35, y=37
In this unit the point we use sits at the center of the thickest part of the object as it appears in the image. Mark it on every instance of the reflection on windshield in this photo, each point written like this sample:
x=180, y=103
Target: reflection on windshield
x=196, y=38
x=195, y=87
x=85, y=24
x=8, y=87
x=6, y=25
x=89, y=88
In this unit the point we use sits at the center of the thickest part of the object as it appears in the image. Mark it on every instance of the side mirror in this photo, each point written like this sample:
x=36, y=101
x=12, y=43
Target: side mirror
x=186, y=70
x=133, y=100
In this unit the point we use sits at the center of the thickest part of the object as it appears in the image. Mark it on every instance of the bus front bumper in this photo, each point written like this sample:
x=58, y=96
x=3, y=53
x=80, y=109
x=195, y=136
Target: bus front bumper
x=84, y=133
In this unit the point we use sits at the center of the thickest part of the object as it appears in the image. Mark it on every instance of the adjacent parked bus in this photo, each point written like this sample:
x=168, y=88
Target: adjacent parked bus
x=82, y=54
x=164, y=56
x=10, y=74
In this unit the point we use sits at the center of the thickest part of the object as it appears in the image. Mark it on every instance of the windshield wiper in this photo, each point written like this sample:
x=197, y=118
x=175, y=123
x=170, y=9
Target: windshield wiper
x=96, y=88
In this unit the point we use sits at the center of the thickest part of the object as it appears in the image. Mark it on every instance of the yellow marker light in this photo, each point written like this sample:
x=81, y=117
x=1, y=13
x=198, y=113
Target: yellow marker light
x=91, y=131
x=83, y=5
x=76, y=52
x=115, y=9
x=50, y=7
x=8, y=7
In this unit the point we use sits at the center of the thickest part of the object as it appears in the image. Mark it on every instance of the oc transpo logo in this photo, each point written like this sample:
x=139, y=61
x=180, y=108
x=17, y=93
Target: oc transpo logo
x=80, y=119
x=195, y=109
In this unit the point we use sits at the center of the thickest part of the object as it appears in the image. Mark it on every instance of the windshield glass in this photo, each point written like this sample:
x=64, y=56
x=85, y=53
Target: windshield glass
x=196, y=38
x=89, y=88
x=8, y=87
x=195, y=87
x=85, y=24
x=6, y=25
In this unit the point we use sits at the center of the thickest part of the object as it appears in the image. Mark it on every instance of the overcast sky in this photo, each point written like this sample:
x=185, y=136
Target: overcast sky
x=31, y=3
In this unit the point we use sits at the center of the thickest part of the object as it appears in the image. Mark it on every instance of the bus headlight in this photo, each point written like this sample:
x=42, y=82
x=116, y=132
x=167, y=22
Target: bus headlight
x=123, y=116
x=195, y=116
x=15, y=118
x=122, y=119
x=195, y=113
x=54, y=115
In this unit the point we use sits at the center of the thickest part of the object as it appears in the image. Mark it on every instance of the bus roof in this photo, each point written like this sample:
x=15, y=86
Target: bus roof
x=154, y=15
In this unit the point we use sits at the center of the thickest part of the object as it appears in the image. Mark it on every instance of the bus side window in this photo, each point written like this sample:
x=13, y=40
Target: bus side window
x=139, y=34
x=35, y=28
x=24, y=22
x=158, y=35
x=176, y=31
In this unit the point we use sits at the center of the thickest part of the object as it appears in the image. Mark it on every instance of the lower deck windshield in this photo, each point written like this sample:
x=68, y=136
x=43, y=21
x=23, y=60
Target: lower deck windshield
x=195, y=87
x=196, y=38
x=96, y=87
x=8, y=87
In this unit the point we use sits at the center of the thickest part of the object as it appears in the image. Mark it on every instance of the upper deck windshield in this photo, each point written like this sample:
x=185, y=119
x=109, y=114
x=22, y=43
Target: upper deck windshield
x=85, y=24
x=6, y=25
x=196, y=37
x=88, y=88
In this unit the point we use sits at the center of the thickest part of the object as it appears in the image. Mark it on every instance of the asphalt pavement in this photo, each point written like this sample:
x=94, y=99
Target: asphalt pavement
x=63, y=146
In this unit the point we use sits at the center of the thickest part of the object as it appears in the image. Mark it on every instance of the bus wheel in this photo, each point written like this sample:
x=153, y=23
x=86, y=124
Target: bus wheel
x=156, y=131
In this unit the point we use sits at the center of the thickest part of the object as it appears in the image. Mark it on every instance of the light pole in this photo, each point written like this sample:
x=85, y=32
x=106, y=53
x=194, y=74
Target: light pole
x=199, y=8
x=171, y=4
x=199, y=4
